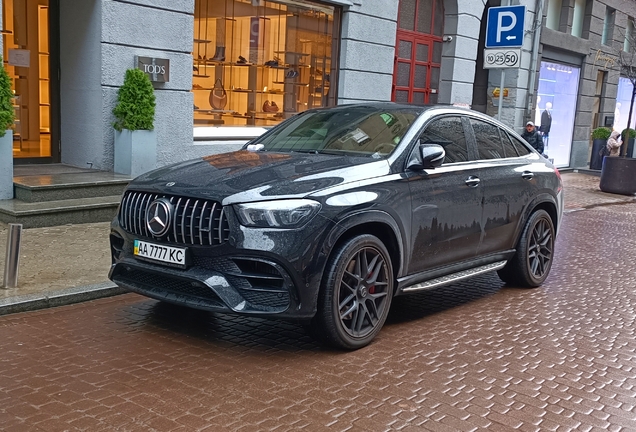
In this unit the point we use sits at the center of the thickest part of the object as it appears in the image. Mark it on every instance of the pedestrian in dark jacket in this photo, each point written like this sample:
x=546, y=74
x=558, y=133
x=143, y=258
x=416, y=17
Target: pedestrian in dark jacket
x=532, y=136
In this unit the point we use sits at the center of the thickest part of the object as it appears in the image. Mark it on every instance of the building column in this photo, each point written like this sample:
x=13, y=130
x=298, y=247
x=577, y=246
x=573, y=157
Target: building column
x=367, y=51
x=99, y=41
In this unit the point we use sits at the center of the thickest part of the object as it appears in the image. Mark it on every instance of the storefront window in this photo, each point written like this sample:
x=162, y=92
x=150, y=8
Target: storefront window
x=623, y=99
x=259, y=62
x=556, y=103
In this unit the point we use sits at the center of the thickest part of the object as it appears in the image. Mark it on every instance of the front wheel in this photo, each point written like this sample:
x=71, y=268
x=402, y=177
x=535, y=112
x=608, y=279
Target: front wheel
x=356, y=293
x=531, y=264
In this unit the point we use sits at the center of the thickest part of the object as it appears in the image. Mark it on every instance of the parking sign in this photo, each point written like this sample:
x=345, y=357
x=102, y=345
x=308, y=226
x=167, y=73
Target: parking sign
x=505, y=26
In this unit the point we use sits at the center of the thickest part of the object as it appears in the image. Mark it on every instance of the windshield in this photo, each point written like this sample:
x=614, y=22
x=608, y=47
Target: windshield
x=357, y=131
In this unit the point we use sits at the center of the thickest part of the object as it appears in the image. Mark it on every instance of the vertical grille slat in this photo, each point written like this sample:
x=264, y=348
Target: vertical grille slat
x=130, y=213
x=137, y=214
x=183, y=220
x=194, y=221
x=175, y=219
x=148, y=201
x=122, y=212
x=201, y=219
x=210, y=229
x=221, y=226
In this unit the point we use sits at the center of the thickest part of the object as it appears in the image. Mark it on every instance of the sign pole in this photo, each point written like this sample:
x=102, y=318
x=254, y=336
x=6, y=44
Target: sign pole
x=501, y=93
x=503, y=75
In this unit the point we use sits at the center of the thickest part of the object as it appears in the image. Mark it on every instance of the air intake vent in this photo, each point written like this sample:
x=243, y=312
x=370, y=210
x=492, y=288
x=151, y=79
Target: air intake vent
x=194, y=221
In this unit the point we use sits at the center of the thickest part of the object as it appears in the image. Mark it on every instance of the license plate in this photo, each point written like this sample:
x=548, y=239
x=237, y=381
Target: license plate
x=164, y=254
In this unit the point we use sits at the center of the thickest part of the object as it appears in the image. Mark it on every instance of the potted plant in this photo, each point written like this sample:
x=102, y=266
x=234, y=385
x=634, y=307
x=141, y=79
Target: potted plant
x=599, y=141
x=617, y=173
x=135, y=137
x=630, y=140
x=7, y=116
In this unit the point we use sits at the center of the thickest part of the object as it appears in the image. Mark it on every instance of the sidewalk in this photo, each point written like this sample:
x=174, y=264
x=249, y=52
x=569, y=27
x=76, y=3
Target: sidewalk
x=69, y=264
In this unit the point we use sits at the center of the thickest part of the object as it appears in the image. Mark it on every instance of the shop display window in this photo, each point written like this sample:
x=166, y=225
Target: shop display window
x=556, y=103
x=623, y=100
x=259, y=62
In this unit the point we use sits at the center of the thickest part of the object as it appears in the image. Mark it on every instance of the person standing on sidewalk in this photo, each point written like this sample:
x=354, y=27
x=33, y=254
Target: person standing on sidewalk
x=532, y=136
x=613, y=144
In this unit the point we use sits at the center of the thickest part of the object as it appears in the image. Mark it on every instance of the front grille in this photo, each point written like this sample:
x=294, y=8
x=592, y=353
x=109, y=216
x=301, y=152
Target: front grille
x=194, y=221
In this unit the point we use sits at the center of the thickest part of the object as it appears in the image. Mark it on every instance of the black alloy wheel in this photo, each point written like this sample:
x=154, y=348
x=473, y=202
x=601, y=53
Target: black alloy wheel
x=356, y=293
x=531, y=264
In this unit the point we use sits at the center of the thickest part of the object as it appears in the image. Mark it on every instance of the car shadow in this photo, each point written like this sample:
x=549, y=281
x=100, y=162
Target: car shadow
x=416, y=306
x=228, y=330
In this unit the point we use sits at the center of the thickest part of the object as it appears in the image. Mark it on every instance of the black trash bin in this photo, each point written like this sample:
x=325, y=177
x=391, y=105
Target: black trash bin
x=596, y=161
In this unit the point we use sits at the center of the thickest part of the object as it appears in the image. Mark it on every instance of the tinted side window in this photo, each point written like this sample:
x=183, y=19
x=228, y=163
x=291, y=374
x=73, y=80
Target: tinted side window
x=449, y=133
x=521, y=149
x=509, y=148
x=488, y=141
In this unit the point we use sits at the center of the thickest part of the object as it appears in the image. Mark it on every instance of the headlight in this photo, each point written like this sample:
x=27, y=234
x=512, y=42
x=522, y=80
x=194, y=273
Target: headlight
x=291, y=213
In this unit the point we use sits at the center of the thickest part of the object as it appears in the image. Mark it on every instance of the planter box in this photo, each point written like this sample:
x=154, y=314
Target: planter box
x=6, y=166
x=596, y=161
x=618, y=175
x=135, y=152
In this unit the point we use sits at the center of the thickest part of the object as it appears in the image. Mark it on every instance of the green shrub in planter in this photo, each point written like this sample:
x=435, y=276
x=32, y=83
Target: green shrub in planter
x=601, y=133
x=7, y=114
x=135, y=108
x=632, y=133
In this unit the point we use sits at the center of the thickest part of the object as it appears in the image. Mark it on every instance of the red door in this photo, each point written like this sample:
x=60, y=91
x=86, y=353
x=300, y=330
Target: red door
x=418, y=51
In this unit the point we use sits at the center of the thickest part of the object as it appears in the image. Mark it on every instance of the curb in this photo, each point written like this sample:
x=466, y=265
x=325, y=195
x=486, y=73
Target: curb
x=31, y=302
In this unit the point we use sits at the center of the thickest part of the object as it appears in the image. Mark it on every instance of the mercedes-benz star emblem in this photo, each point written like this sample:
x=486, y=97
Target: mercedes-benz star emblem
x=159, y=216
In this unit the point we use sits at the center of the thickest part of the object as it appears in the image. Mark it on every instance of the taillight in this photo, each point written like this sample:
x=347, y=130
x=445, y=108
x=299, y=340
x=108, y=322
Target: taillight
x=558, y=174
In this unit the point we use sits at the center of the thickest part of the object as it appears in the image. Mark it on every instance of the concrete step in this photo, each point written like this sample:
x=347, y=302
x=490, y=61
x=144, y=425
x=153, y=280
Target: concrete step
x=59, y=212
x=64, y=186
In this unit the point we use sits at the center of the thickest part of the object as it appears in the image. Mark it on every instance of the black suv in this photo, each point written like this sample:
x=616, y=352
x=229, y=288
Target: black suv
x=330, y=214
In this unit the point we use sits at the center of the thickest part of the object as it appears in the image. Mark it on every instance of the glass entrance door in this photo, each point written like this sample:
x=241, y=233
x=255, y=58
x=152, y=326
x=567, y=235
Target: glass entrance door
x=26, y=56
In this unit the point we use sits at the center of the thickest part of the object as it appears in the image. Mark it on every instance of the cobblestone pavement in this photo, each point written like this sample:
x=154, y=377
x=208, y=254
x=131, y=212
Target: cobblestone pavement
x=474, y=355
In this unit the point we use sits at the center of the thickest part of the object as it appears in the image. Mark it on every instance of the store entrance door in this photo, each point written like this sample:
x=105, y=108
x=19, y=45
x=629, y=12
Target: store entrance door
x=29, y=45
x=418, y=51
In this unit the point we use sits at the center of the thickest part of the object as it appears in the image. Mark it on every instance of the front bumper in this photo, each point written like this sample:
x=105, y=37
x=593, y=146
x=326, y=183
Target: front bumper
x=223, y=278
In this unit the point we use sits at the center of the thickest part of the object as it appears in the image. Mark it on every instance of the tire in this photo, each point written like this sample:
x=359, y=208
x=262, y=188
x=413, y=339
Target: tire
x=355, y=294
x=531, y=264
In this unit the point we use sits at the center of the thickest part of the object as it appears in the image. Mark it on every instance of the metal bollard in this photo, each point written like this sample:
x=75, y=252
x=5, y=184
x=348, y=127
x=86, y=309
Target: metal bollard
x=12, y=258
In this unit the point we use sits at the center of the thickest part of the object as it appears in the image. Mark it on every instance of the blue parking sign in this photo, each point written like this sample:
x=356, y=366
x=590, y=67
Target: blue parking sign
x=505, y=26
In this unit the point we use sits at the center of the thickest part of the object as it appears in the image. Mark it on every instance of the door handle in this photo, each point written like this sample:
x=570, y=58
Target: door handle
x=472, y=181
x=528, y=175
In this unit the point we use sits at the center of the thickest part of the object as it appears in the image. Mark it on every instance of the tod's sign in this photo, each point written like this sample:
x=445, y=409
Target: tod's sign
x=157, y=69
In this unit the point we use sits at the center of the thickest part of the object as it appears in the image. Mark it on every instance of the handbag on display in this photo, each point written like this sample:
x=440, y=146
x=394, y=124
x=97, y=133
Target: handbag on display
x=218, y=96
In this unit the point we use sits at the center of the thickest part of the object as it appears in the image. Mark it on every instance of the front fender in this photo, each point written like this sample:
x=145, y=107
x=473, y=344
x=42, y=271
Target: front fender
x=358, y=219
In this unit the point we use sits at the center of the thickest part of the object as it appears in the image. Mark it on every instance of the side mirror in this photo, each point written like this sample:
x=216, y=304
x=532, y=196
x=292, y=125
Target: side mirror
x=427, y=156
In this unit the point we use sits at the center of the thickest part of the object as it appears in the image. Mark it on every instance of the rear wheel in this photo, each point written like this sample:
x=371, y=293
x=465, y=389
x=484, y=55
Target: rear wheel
x=531, y=264
x=356, y=293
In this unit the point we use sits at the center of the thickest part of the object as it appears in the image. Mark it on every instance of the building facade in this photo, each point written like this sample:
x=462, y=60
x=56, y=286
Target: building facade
x=237, y=67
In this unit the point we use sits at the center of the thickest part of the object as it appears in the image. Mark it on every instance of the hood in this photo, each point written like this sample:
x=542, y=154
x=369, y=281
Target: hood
x=245, y=176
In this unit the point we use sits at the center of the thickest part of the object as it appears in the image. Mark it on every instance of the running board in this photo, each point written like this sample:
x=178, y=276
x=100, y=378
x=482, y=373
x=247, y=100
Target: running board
x=454, y=277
